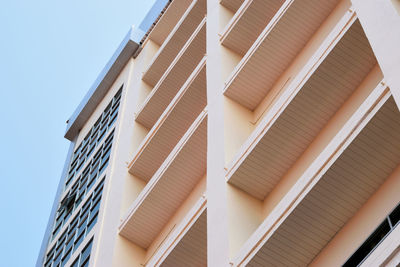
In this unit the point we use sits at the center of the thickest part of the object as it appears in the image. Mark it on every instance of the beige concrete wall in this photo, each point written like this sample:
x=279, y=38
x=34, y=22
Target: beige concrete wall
x=190, y=201
x=107, y=223
x=109, y=248
x=237, y=127
x=381, y=24
x=225, y=16
x=146, y=55
x=362, y=224
x=396, y=4
x=132, y=134
x=300, y=60
x=322, y=140
x=244, y=214
x=239, y=121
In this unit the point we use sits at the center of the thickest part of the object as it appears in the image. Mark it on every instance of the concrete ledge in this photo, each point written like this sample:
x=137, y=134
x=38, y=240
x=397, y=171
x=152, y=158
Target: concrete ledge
x=129, y=47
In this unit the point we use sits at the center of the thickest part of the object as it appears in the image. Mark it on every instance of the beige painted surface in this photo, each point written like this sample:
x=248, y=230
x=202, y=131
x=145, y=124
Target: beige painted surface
x=312, y=175
x=322, y=140
x=225, y=16
x=364, y=222
x=111, y=199
x=197, y=192
x=244, y=214
x=127, y=254
x=237, y=127
x=396, y=4
x=301, y=59
x=381, y=22
x=129, y=186
x=387, y=253
x=234, y=218
x=127, y=138
x=217, y=214
x=239, y=121
x=145, y=58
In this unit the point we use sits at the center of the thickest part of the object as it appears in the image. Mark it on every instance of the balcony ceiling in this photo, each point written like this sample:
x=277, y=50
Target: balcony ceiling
x=232, y=5
x=344, y=188
x=174, y=78
x=192, y=249
x=248, y=23
x=175, y=41
x=172, y=125
x=314, y=105
x=168, y=188
x=275, y=49
x=168, y=20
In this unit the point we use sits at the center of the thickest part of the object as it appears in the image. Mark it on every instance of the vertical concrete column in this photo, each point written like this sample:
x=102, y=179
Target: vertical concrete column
x=106, y=234
x=217, y=215
x=381, y=24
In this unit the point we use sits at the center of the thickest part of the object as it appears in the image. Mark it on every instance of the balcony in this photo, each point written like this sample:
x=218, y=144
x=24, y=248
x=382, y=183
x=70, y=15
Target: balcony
x=187, y=244
x=277, y=46
x=232, y=5
x=169, y=187
x=318, y=207
x=172, y=125
x=300, y=114
x=247, y=24
x=175, y=41
x=174, y=78
x=192, y=248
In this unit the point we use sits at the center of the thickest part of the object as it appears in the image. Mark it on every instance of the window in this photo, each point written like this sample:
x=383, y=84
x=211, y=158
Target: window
x=375, y=238
x=84, y=183
x=83, y=259
x=74, y=235
x=100, y=128
x=93, y=159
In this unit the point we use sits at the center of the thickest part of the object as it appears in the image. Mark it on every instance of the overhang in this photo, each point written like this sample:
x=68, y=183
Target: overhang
x=129, y=47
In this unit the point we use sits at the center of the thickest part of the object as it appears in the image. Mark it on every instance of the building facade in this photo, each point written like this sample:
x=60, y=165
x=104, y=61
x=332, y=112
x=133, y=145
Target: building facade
x=238, y=133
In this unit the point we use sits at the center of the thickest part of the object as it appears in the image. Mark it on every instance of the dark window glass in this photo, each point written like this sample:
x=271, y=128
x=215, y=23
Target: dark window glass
x=85, y=263
x=91, y=182
x=104, y=165
x=75, y=263
x=48, y=263
x=92, y=221
x=395, y=216
x=70, y=240
x=78, y=241
x=93, y=137
x=113, y=119
x=66, y=256
x=86, y=252
x=372, y=241
x=57, y=259
x=94, y=209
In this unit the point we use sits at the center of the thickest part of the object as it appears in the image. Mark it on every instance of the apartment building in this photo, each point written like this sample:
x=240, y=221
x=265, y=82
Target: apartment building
x=238, y=133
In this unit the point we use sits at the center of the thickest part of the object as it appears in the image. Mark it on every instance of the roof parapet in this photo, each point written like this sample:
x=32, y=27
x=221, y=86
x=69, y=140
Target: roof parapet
x=129, y=47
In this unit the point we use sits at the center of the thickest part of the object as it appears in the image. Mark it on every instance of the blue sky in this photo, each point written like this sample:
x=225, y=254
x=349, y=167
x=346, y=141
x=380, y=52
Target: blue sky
x=50, y=54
